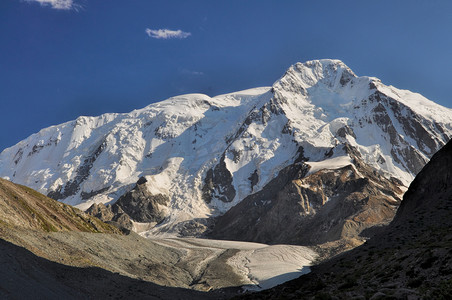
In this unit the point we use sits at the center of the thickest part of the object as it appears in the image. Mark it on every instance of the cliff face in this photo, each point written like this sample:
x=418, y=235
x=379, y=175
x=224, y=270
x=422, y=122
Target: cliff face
x=311, y=208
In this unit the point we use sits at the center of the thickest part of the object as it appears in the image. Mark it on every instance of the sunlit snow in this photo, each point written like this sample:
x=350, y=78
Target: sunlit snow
x=318, y=106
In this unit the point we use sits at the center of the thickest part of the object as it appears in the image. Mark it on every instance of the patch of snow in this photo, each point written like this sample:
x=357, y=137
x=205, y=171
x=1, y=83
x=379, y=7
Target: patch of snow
x=330, y=164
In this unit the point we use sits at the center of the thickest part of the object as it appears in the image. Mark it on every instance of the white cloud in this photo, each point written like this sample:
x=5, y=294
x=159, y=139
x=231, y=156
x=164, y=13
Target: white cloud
x=167, y=34
x=57, y=4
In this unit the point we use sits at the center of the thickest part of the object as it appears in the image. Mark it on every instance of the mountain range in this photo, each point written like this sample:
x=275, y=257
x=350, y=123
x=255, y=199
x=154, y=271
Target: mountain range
x=329, y=150
x=320, y=160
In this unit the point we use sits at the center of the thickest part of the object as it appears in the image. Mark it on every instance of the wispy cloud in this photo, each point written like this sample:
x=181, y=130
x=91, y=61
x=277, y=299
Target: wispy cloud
x=57, y=4
x=190, y=72
x=167, y=34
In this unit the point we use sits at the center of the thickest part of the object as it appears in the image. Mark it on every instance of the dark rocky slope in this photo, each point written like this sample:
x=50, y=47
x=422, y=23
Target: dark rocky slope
x=409, y=259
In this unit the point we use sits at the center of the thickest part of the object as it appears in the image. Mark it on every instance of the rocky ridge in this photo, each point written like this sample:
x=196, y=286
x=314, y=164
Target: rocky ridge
x=23, y=207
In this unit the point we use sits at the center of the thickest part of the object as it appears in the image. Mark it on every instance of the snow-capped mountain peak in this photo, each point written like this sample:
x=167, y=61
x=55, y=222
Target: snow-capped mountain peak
x=329, y=72
x=206, y=154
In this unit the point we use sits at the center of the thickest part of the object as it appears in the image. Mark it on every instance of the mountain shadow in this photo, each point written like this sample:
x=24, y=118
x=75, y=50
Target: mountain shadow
x=24, y=275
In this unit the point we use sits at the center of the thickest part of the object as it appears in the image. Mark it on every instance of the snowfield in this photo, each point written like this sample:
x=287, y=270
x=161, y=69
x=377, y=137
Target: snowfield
x=330, y=164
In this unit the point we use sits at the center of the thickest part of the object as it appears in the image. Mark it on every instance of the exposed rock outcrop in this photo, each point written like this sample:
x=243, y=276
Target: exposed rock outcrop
x=218, y=182
x=326, y=206
x=141, y=205
x=137, y=205
x=82, y=173
x=111, y=214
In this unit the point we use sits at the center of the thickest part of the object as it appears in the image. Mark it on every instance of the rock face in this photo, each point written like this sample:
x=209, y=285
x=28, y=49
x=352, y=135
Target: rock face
x=218, y=181
x=203, y=155
x=72, y=187
x=141, y=205
x=138, y=205
x=310, y=209
x=111, y=214
x=408, y=259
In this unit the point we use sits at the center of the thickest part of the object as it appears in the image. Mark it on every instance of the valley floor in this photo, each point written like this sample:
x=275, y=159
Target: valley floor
x=221, y=268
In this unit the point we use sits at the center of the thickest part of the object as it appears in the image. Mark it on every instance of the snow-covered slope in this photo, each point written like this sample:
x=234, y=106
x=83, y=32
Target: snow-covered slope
x=207, y=154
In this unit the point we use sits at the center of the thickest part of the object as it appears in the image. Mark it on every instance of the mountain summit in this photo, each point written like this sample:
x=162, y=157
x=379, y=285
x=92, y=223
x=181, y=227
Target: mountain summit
x=193, y=157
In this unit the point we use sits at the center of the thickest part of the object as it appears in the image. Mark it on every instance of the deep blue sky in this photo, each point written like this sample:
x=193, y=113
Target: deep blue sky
x=57, y=64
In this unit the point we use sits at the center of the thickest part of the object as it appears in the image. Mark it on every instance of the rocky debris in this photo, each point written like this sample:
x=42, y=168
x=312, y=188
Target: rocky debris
x=198, y=227
x=411, y=258
x=51, y=250
x=79, y=267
